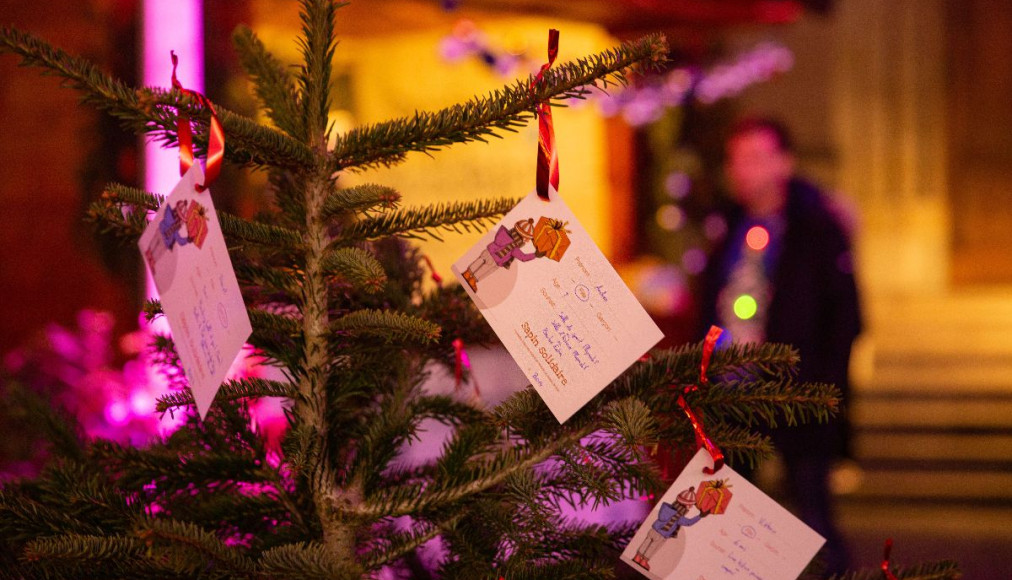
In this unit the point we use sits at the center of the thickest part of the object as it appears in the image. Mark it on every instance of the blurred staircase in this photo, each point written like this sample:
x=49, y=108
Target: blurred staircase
x=932, y=404
x=932, y=411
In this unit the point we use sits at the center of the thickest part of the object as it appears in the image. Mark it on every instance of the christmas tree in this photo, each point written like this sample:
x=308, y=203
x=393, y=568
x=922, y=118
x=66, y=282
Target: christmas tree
x=336, y=299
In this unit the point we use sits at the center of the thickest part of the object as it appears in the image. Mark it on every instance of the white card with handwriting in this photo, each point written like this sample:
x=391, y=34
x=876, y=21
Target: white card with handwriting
x=186, y=254
x=720, y=526
x=558, y=306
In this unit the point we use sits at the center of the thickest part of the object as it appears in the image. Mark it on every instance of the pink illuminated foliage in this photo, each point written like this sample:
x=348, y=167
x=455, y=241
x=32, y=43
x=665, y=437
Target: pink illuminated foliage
x=109, y=386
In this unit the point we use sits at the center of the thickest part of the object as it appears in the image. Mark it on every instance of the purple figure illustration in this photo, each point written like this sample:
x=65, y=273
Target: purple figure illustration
x=670, y=519
x=505, y=247
x=172, y=222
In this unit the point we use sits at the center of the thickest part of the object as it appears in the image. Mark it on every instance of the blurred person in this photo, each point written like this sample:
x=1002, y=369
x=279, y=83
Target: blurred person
x=783, y=273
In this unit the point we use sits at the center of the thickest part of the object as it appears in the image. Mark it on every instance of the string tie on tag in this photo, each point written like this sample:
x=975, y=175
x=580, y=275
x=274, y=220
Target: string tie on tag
x=548, y=157
x=702, y=440
x=886, y=573
x=216, y=135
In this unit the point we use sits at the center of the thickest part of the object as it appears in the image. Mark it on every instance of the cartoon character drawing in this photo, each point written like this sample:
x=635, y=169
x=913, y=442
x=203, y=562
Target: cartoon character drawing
x=549, y=238
x=506, y=246
x=670, y=519
x=172, y=223
x=188, y=214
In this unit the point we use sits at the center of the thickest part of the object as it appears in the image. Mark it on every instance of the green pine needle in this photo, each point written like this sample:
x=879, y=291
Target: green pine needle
x=428, y=221
x=506, y=109
x=389, y=326
x=273, y=85
x=231, y=390
x=153, y=111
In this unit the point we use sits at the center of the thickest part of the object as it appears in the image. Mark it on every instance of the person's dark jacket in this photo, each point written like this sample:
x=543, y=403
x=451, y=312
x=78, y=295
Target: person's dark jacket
x=814, y=306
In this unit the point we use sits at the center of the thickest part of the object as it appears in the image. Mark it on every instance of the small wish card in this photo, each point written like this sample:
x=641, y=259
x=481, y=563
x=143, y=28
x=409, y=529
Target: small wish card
x=558, y=306
x=186, y=254
x=712, y=527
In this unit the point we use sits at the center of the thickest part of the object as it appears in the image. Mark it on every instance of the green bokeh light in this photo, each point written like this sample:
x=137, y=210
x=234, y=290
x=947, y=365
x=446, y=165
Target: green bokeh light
x=745, y=307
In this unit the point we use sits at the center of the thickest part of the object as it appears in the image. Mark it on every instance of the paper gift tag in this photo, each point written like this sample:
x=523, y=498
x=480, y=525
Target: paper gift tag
x=185, y=251
x=720, y=526
x=558, y=306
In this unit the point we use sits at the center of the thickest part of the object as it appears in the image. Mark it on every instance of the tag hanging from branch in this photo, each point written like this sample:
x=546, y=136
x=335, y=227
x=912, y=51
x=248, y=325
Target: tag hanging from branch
x=187, y=257
x=215, y=140
x=548, y=156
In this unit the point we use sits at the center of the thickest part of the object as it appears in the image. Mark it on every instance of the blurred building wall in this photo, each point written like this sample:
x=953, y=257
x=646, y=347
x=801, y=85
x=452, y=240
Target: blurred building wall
x=49, y=262
x=867, y=101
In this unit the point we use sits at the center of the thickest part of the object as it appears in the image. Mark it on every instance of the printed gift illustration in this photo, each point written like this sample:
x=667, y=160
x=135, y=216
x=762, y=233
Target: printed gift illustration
x=558, y=306
x=712, y=527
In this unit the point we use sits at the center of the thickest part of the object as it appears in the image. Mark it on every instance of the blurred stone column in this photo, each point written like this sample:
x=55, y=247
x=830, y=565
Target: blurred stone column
x=889, y=115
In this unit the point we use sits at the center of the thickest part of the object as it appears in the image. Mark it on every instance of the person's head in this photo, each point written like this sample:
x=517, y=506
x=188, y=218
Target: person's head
x=759, y=164
x=525, y=228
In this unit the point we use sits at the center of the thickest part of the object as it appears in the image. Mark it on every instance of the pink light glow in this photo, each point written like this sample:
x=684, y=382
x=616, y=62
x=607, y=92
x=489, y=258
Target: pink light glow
x=117, y=413
x=170, y=25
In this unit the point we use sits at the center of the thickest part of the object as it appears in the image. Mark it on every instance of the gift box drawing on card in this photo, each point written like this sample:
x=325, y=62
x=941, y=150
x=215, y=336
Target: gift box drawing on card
x=551, y=238
x=196, y=223
x=512, y=245
x=713, y=496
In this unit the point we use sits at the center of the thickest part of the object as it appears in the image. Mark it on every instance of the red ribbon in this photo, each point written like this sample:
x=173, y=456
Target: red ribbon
x=462, y=361
x=548, y=157
x=435, y=275
x=216, y=140
x=702, y=440
x=885, y=560
x=458, y=355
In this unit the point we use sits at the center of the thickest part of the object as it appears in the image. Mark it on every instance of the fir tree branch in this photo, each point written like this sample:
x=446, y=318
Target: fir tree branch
x=943, y=570
x=398, y=502
x=356, y=266
x=632, y=420
x=390, y=326
x=151, y=110
x=86, y=493
x=399, y=545
x=172, y=471
x=23, y=519
x=231, y=390
x=80, y=553
x=283, y=280
x=110, y=220
x=60, y=428
x=422, y=222
x=751, y=402
x=262, y=321
x=273, y=85
x=361, y=198
x=234, y=228
x=311, y=561
x=317, y=45
x=504, y=110
x=188, y=543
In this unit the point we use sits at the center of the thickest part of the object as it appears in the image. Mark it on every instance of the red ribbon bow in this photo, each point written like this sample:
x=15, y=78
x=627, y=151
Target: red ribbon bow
x=548, y=157
x=702, y=440
x=216, y=138
x=886, y=573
